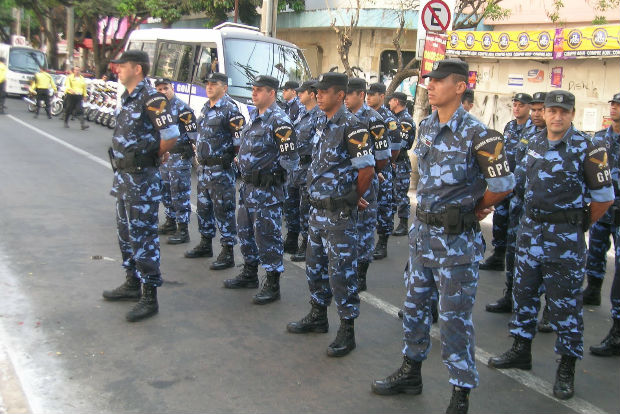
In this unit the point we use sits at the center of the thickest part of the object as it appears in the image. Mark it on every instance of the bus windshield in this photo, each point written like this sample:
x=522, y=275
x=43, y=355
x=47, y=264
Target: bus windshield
x=26, y=60
x=246, y=59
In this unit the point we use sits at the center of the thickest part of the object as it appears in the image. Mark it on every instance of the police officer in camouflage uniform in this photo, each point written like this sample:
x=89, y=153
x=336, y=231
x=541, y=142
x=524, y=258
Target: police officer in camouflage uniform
x=291, y=105
x=402, y=167
x=145, y=131
x=564, y=171
x=516, y=153
x=385, y=196
x=355, y=102
x=305, y=129
x=603, y=229
x=611, y=138
x=266, y=157
x=513, y=131
x=340, y=173
x=176, y=171
x=463, y=173
x=219, y=127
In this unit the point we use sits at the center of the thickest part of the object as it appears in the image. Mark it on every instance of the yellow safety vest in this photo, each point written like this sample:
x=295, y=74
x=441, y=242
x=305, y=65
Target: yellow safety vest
x=2, y=72
x=42, y=80
x=75, y=86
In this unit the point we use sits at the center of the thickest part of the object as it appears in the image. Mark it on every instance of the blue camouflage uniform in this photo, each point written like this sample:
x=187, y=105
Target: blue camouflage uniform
x=266, y=156
x=297, y=216
x=343, y=147
x=513, y=132
x=385, y=195
x=601, y=231
x=561, y=177
x=367, y=219
x=402, y=173
x=219, y=127
x=143, y=119
x=176, y=172
x=458, y=161
x=294, y=109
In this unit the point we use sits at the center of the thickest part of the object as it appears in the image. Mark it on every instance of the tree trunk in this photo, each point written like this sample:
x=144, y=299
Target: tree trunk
x=398, y=78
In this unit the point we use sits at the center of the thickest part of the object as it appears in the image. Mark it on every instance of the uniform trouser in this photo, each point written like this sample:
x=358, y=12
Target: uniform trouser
x=44, y=95
x=615, y=286
x=562, y=280
x=385, y=202
x=598, y=246
x=304, y=210
x=136, y=225
x=2, y=94
x=260, y=235
x=74, y=105
x=514, y=215
x=366, y=225
x=501, y=223
x=331, y=262
x=291, y=209
x=402, y=180
x=457, y=291
x=216, y=196
x=176, y=177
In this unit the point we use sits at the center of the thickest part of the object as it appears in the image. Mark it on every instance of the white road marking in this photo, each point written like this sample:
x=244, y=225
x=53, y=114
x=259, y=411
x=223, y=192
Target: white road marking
x=523, y=377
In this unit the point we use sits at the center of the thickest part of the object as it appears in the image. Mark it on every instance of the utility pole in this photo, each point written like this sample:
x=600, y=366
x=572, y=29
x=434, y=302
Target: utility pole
x=236, y=11
x=269, y=14
x=17, y=15
x=70, y=38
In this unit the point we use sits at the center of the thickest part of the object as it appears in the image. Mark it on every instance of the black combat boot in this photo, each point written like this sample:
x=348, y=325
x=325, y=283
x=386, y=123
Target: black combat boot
x=544, y=325
x=496, y=261
x=459, y=403
x=381, y=247
x=247, y=279
x=66, y=124
x=83, y=124
x=290, y=244
x=519, y=356
x=400, y=313
x=362, y=269
x=225, y=259
x=345, y=339
x=611, y=344
x=169, y=226
x=403, y=227
x=181, y=236
x=592, y=292
x=300, y=256
x=314, y=321
x=407, y=379
x=564, y=386
x=130, y=290
x=147, y=306
x=503, y=304
x=203, y=249
x=270, y=291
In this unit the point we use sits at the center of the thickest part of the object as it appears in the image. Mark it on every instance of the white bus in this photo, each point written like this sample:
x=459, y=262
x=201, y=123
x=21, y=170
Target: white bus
x=187, y=56
x=22, y=63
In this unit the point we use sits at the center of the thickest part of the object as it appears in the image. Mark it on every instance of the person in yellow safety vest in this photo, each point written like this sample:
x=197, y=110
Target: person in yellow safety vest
x=2, y=84
x=75, y=88
x=41, y=85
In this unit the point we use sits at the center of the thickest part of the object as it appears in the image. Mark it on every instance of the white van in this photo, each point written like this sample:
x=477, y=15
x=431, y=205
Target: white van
x=22, y=63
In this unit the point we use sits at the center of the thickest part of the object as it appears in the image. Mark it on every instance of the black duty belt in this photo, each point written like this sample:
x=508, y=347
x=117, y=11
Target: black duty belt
x=305, y=159
x=185, y=149
x=615, y=212
x=263, y=178
x=224, y=161
x=574, y=216
x=347, y=201
x=132, y=162
x=452, y=219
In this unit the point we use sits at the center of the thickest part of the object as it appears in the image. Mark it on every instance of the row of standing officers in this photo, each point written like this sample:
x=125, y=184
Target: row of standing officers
x=337, y=161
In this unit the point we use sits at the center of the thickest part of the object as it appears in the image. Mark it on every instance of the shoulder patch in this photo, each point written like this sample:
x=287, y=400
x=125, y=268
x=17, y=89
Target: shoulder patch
x=491, y=154
x=236, y=123
x=285, y=138
x=359, y=142
x=596, y=167
x=187, y=121
x=158, y=111
x=392, y=125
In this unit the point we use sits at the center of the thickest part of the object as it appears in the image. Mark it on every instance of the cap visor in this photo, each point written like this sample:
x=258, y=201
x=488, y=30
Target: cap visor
x=560, y=105
x=118, y=61
x=614, y=100
x=435, y=74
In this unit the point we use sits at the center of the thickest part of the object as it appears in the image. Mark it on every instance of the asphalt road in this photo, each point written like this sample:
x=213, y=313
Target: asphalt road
x=63, y=349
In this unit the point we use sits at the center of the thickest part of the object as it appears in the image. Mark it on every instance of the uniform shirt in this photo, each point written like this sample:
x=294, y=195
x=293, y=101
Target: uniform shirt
x=186, y=121
x=305, y=130
x=75, y=86
x=143, y=119
x=292, y=108
x=2, y=72
x=513, y=133
x=566, y=175
x=393, y=128
x=407, y=129
x=611, y=141
x=376, y=126
x=343, y=147
x=267, y=144
x=219, y=129
x=520, y=151
x=458, y=161
x=43, y=80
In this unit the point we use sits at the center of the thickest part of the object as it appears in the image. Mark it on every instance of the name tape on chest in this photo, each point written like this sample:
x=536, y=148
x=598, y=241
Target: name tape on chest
x=491, y=154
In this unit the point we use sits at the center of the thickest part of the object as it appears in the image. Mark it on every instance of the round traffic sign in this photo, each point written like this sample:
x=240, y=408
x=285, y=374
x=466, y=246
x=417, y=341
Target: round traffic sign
x=436, y=16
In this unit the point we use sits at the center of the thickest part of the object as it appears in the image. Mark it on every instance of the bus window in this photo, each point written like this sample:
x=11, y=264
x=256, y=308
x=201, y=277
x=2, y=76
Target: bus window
x=185, y=67
x=206, y=64
x=26, y=60
x=246, y=59
x=149, y=48
x=168, y=59
x=135, y=45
